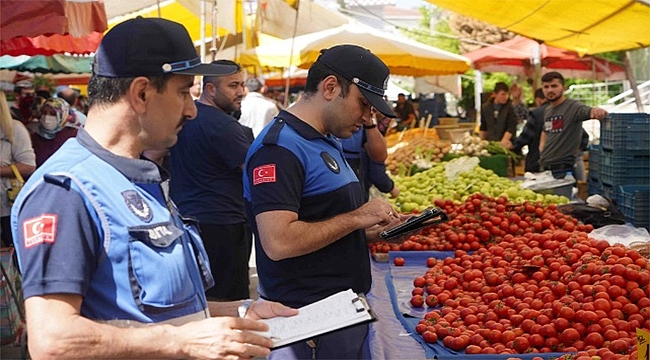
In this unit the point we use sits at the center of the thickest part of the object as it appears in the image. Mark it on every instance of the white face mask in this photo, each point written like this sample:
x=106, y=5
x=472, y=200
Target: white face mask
x=49, y=122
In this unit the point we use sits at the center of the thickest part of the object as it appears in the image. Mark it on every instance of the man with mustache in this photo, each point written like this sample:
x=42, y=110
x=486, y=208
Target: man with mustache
x=206, y=181
x=110, y=268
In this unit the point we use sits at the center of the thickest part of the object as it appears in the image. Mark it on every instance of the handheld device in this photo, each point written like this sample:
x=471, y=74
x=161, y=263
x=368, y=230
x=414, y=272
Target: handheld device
x=430, y=216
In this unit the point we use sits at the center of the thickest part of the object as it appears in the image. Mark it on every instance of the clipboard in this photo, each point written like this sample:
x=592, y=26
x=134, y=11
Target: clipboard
x=336, y=312
x=430, y=216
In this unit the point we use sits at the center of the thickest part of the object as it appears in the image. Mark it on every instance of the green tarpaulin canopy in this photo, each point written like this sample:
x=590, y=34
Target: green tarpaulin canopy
x=55, y=64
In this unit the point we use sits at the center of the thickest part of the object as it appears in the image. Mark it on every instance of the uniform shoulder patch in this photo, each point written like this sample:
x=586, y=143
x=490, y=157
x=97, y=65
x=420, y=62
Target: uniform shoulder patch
x=264, y=174
x=40, y=229
x=137, y=205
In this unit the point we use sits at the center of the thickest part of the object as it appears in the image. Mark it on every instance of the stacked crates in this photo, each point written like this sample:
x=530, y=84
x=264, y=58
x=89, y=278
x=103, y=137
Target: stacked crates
x=623, y=165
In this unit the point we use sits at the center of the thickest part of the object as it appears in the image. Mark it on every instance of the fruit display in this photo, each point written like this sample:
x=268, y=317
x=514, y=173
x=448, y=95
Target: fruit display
x=483, y=220
x=473, y=146
x=419, y=191
x=418, y=149
x=410, y=134
x=555, y=291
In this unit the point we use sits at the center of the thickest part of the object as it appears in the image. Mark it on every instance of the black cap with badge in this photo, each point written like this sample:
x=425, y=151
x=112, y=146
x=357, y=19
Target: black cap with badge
x=151, y=47
x=364, y=69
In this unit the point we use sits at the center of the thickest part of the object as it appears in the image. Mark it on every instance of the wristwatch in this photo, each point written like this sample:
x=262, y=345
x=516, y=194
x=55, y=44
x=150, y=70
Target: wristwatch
x=371, y=126
x=242, y=310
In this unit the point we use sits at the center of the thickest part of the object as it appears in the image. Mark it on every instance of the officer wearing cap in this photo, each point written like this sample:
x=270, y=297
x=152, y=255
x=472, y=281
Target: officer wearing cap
x=110, y=269
x=306, y=204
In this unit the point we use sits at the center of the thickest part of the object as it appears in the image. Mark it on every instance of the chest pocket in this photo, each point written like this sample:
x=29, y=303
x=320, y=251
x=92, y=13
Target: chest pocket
x=159, y=276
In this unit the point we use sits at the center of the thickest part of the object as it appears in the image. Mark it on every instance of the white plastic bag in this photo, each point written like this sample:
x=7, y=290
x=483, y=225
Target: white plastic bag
x=621, y=234
x=459, y=166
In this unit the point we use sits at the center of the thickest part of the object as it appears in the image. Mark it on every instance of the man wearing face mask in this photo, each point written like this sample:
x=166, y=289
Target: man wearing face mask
x=206, y=181
x=55, y=127
x=24, y=96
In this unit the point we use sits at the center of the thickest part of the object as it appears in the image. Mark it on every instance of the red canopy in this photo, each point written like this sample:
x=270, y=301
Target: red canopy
x=46, y=27
x=516, y=56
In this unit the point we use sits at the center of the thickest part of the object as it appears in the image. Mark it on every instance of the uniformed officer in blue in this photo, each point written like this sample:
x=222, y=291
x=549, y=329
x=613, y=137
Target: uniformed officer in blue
x=110, y=269
x=305, y=202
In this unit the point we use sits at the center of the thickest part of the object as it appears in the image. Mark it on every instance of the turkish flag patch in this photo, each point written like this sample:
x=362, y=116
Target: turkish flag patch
x=264, y=174
x=41, y=229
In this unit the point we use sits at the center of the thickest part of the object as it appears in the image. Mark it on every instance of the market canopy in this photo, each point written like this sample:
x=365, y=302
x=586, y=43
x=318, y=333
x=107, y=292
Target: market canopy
x=403, y=56
x=50, y=26
x=228, y=22
x=518, y=55
x=584, y=26
x=56, y=64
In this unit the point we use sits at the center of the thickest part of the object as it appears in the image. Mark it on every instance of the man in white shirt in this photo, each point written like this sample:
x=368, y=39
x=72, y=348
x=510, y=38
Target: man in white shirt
x=256, y=110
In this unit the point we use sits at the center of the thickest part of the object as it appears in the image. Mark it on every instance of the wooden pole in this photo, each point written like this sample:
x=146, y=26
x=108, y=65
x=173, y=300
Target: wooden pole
x=632, y=80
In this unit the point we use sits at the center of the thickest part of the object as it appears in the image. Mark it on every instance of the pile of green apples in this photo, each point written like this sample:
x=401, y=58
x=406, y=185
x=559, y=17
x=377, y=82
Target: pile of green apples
x=419, y=191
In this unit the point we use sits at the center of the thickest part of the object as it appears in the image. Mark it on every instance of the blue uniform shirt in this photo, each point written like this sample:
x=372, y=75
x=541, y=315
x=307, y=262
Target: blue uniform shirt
x=291, y=166
x=98, y=225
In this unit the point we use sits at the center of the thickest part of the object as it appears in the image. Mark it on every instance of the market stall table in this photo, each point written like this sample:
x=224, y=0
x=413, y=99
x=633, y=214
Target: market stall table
x=393, y=336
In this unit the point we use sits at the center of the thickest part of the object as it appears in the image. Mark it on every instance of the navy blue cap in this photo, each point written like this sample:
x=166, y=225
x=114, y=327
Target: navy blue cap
x=364, y=69
x=151, y=47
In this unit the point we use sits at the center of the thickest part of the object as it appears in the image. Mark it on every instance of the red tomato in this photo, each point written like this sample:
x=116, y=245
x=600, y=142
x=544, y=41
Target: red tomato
x=431, y=301
x=417, y=301
x=430, y=337
x=399, y=261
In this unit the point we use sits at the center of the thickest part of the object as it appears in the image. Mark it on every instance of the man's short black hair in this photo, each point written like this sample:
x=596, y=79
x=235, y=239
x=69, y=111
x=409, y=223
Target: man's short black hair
x=539, y=94
x=501, y=86
x=549, y=76
x=317, y=73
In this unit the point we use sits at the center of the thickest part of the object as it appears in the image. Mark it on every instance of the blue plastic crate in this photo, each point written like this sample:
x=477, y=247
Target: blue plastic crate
x=634, y=203
x=625, y=132
x=624, y=167
x=594, y=187
x=594, y=160
x=609, y=191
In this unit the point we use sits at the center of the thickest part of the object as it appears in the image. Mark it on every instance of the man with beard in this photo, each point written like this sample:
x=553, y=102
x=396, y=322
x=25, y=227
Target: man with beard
x=206, y=181
x=305, y=201
x=560, y=141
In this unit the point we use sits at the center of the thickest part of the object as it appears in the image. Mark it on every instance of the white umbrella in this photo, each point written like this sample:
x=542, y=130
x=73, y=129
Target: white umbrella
x=403, y=56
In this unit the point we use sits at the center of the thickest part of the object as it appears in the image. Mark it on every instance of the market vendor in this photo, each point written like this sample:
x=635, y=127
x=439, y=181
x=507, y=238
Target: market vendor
x=498, y=117
x=562, y=135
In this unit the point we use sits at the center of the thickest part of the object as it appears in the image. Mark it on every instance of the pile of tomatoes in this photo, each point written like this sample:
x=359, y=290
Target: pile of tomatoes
x=481, y=220
x=555, y=291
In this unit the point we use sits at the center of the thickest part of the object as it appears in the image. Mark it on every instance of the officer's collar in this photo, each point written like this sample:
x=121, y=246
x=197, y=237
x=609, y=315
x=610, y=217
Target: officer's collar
x=305, y=130
x=136, y=170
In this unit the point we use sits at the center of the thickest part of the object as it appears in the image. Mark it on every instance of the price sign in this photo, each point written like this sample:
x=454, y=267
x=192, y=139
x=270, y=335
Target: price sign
x=643, y=342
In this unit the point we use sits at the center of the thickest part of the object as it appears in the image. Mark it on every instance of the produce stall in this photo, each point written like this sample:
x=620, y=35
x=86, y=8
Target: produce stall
x=505, y=280
x=509, y=276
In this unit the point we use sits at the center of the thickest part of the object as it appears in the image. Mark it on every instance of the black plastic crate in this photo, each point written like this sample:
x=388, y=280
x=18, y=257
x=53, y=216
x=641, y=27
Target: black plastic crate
x=634, y=203
x=625, y=132
x=624, y=167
